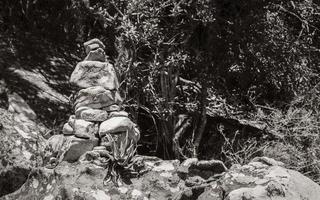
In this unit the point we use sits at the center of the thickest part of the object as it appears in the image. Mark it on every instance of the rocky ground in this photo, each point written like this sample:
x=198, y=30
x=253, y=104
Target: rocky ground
x=22, y=175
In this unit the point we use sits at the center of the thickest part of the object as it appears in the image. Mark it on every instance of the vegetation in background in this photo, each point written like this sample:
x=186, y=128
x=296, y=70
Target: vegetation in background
x=179, y=60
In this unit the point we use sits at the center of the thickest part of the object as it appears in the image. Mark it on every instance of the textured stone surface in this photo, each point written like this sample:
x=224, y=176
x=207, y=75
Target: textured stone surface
x=18, y=105
x=67, y=129
x=92, y=45
x=96, y=55
x=160, y=180
x=21, y=145
x=94, y=115
x=261, y=181
x=71, y=120
x=53, y=148
x=111, y=108
x=116, y=124
x=119, y=114
x=68, y=148
x=75, y=147
x=85, y=181
x=95, y=73
x=85, y=129
x=96, y=97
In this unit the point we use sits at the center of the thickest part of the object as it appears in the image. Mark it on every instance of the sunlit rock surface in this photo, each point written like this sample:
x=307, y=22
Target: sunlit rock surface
x=158, y=179
x=21, y=146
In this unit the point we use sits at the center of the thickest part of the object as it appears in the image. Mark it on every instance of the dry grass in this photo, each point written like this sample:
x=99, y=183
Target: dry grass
x=298, y=136
x=298, y=128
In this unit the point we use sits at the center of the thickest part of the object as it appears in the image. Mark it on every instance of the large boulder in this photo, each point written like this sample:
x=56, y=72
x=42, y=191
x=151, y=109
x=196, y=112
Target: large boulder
x=95, y=73
x=262, y=179
x=21, y=148
x=96, y=97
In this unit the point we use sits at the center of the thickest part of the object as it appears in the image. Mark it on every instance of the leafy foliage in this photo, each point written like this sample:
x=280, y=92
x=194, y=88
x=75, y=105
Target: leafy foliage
x=189, y=57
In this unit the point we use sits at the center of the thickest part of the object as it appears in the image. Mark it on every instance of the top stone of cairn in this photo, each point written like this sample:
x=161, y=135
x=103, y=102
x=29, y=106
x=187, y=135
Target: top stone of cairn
x=93, y=44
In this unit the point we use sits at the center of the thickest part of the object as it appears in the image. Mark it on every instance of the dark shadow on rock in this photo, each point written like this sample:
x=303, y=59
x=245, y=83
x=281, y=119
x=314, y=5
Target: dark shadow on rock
x=46, y=59
x=11, y=180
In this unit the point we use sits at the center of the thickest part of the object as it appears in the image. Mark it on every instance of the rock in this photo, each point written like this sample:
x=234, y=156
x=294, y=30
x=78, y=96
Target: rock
x=203, y=168
x=53, y=148
x=21, y=148
x=165, y=165
x=96, y=55
x=99, y=148
x=71, y=120
x=190, y=161
x=111, y=108
x=102, y=153
x=68, y=148
x=116, y=124
x=75, y=147
x=19, y=106
x=96, y=97
x=118, y=114
x=91, y=47
x=93, y=44
x=158, y=179
x=83, y=136
x=67, y=129
x=90, y=156
x=42, y=85
x=85, y=129
x=85, y=181
x=259, y=181
x=95, y=73
x=268, y=161
x=93, y=115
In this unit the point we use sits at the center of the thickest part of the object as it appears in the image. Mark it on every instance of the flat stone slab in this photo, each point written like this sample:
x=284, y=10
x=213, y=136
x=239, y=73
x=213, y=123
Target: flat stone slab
x=92, y=115
x=111, y=108
x=118, y=114
x=96, y=97
x=95, y=73
x=115, y=125
x=119, y=124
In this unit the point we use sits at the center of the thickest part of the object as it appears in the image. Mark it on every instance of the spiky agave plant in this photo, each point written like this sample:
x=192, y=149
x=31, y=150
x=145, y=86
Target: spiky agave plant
x=123, y=146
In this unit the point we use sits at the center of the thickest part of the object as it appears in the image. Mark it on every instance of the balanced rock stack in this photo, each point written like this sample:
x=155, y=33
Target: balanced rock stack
x=98, y=125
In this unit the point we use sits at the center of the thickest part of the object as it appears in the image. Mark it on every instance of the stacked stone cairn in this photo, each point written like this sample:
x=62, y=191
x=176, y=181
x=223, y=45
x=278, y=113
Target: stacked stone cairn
x=99, y=130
